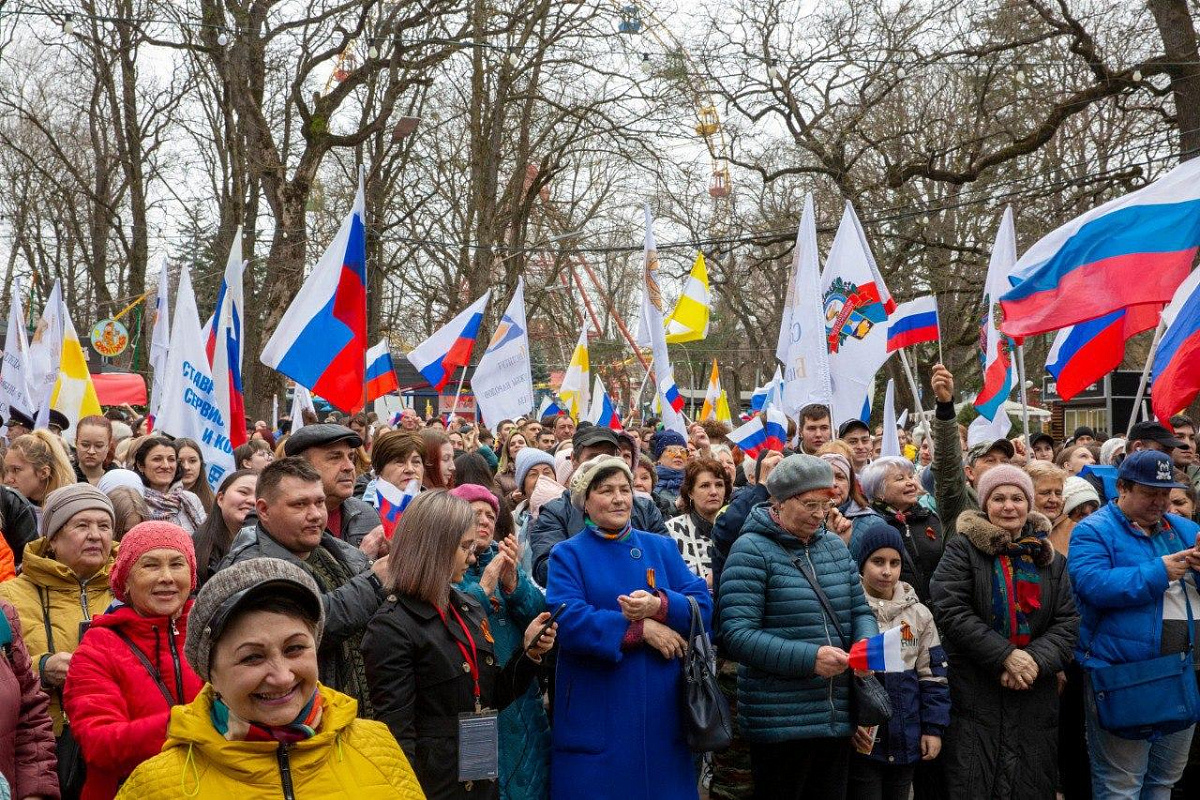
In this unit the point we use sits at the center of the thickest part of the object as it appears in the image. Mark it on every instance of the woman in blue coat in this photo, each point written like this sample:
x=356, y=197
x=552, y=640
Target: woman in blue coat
x=617, y=731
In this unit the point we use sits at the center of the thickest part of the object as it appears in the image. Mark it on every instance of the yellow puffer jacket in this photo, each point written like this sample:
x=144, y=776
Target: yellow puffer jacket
x=347, y=758
x=70, y=601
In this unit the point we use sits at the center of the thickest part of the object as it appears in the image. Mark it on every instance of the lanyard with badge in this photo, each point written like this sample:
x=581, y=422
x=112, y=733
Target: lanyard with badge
x=479, y=730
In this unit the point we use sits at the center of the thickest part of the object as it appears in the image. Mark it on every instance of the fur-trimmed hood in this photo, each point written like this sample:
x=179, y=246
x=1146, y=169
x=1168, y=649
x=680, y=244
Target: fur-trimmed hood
x=991, y=540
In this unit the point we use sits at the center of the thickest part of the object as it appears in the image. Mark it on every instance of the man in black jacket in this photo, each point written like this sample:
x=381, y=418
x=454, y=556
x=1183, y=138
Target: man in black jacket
x=18, y=521
x=560, y=519
x=291, y=526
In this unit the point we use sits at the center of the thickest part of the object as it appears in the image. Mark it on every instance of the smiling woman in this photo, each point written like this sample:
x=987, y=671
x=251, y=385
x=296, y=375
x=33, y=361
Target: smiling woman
x=156, y=461
x=256, y=629
x=233, y=504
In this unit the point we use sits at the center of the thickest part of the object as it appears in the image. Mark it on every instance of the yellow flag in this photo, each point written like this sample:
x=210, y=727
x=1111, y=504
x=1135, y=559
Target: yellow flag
x=723, y=414
x=576, y=383
x=689, y=321
x=74, y=394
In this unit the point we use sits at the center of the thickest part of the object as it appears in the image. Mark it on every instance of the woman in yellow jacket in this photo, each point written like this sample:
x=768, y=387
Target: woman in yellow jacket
x=264, y=727
x=63, y=582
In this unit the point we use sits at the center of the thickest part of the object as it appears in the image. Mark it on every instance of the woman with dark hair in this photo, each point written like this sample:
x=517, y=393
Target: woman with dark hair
x=233, y=503
x=430, y=656
x=438, y=456
x=705, y=491
x=193, y=473
x=253, y=455
x=156, y=461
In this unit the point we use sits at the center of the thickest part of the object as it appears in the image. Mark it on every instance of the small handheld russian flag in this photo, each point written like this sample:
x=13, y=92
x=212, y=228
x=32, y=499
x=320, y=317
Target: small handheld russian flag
x=381, y=373
x=912, y=323
x=392, y=502
x=878, y=653
x=751, y=437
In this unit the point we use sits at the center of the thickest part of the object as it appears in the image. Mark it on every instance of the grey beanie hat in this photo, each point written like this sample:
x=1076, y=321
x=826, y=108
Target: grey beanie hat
x=67, y=501
x=798, y=474
x=230, y=587
x=586, y=474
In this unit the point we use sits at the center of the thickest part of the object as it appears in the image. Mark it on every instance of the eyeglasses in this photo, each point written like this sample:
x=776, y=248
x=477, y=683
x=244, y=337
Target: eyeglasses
x=90, y=446
x=674, y=450
x=817, y=506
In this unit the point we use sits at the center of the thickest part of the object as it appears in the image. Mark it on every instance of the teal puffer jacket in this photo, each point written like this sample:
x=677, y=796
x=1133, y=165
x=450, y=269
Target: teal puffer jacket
x=772, y=624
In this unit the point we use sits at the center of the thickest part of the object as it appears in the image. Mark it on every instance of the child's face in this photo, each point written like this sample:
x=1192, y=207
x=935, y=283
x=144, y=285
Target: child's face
x=881, y=573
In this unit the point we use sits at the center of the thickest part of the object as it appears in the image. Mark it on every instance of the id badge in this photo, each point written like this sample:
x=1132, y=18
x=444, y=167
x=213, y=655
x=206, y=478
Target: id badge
x=478, y=747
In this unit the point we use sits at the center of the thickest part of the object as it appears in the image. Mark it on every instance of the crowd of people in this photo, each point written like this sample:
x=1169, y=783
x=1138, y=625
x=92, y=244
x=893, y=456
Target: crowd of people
x=521, y=633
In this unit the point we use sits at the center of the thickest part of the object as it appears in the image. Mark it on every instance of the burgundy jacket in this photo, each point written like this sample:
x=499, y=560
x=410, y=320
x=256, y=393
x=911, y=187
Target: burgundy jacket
x=27, y=757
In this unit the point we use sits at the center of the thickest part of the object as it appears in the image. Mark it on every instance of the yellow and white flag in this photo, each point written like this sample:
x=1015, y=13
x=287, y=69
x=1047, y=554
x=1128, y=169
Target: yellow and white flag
x=577, y=382
x=689, y=321
x=712, y=397
x=74, y=394
x=723, y=414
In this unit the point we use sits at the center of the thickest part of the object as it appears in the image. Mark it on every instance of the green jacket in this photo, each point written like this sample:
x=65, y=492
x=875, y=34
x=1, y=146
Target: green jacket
x=950, y=488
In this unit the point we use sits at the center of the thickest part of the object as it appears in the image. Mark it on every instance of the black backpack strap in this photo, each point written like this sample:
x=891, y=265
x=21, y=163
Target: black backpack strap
x=150, y=668
x=821, y=596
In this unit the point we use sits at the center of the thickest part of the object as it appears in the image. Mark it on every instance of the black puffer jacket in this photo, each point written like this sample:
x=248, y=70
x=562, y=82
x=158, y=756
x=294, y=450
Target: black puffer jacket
x=18, y=520
x=921, y=530
x=1001, y=743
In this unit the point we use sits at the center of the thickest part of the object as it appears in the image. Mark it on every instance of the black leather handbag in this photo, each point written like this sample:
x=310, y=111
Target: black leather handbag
x=706, y=719
x=869, y=701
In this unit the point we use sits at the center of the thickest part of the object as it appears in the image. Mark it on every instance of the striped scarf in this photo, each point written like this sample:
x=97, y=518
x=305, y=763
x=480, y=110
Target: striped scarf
x=236, y=729
x=1016, y=589
x=619, y=536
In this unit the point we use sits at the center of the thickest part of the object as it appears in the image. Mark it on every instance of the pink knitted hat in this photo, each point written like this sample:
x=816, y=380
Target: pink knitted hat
x=473, y=491
x=141, y=539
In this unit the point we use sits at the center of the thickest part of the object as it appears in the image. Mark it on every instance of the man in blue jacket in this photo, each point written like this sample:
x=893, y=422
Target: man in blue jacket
x=1133, y=568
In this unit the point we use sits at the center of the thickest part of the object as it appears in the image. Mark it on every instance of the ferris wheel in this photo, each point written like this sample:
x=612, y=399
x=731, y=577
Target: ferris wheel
x=637, y=19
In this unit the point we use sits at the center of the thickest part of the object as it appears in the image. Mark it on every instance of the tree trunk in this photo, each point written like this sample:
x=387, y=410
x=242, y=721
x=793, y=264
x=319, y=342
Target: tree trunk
x=1182, y=56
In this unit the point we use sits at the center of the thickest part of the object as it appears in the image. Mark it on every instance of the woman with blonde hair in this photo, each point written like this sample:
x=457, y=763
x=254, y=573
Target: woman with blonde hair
x=36, y=464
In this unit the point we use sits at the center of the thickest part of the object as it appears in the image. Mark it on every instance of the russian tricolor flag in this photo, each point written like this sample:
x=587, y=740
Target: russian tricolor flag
x=438, y=357
x=1083, y=354
x=1133, y=250
x=751, y=438
x=224, y=346
x=999, y=377
x=1176, y=369
x=321, y=342
x=878, y=653
x=601, y=411
x=381, y=373
x=671, y=392
x=774, y=429
x=912, y=323
x=392, y=502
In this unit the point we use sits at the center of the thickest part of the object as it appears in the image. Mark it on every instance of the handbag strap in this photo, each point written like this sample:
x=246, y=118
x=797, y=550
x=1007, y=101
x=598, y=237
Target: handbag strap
x=697, y=626
x=45, y=601
x=150, y=668
x=821, y=596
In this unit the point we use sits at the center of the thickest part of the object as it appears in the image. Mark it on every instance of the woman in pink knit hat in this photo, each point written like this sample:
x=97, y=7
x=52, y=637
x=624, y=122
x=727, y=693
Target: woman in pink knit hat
x=128, y=671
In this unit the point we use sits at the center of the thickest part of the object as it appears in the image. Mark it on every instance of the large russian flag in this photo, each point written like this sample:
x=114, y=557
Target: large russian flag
x=224, y=346
x=912, y=323
x=1132, y=250
x=321, y=342
x=1083, y=354
x=381, y=373
x=438, y=357
x=1176, y=369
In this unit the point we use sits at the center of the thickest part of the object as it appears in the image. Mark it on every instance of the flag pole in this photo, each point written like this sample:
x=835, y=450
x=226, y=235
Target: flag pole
x=458, y=391
x=912, y=381
x=1141, y=391
x=1024, y=400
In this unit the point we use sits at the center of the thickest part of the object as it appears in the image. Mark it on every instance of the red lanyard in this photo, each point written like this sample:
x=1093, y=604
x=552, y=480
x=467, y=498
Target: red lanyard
x=471, y=657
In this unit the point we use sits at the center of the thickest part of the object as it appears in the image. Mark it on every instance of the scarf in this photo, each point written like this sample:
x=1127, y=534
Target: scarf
x=619, y=536
x=236, y=729
x=351, y=677
x=669, y=479
x=170, y=506
x=1016, y=589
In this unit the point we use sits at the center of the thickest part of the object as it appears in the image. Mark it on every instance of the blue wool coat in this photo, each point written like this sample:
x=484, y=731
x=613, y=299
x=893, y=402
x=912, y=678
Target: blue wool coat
x=772, y=624
x=617, y=731
x=1119, y=581
x=524, y=729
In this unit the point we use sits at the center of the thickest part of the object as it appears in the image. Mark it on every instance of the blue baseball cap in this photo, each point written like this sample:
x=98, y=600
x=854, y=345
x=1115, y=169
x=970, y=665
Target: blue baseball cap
x=1150, y=468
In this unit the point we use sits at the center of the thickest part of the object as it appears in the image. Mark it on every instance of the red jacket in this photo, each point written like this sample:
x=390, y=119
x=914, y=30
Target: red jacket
x=115, y=707
x=26, y=734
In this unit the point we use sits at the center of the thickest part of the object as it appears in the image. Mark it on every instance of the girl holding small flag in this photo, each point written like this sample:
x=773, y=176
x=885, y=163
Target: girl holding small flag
x=887, y=757
x=1002, y=601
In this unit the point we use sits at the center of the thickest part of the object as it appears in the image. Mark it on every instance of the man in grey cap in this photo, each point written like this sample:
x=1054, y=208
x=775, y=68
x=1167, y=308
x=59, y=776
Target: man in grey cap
x=954, y=479
x=291, y=526
x=561, y=519
x=330, y=450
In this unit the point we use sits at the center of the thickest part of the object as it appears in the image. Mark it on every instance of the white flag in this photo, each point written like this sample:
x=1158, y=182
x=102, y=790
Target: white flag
x=45, y=355
x=670, y=400
x=575, y=383
x=16, y=372
x=160, y=339
x=188, y=405
x=890, y=446
x=856, y=307
x=301, y=402
x=803, y=348
x=503, y=379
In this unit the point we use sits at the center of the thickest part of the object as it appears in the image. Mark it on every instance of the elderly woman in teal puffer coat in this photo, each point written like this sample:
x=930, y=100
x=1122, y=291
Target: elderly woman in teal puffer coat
x=511, y=601
x=794, y=682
